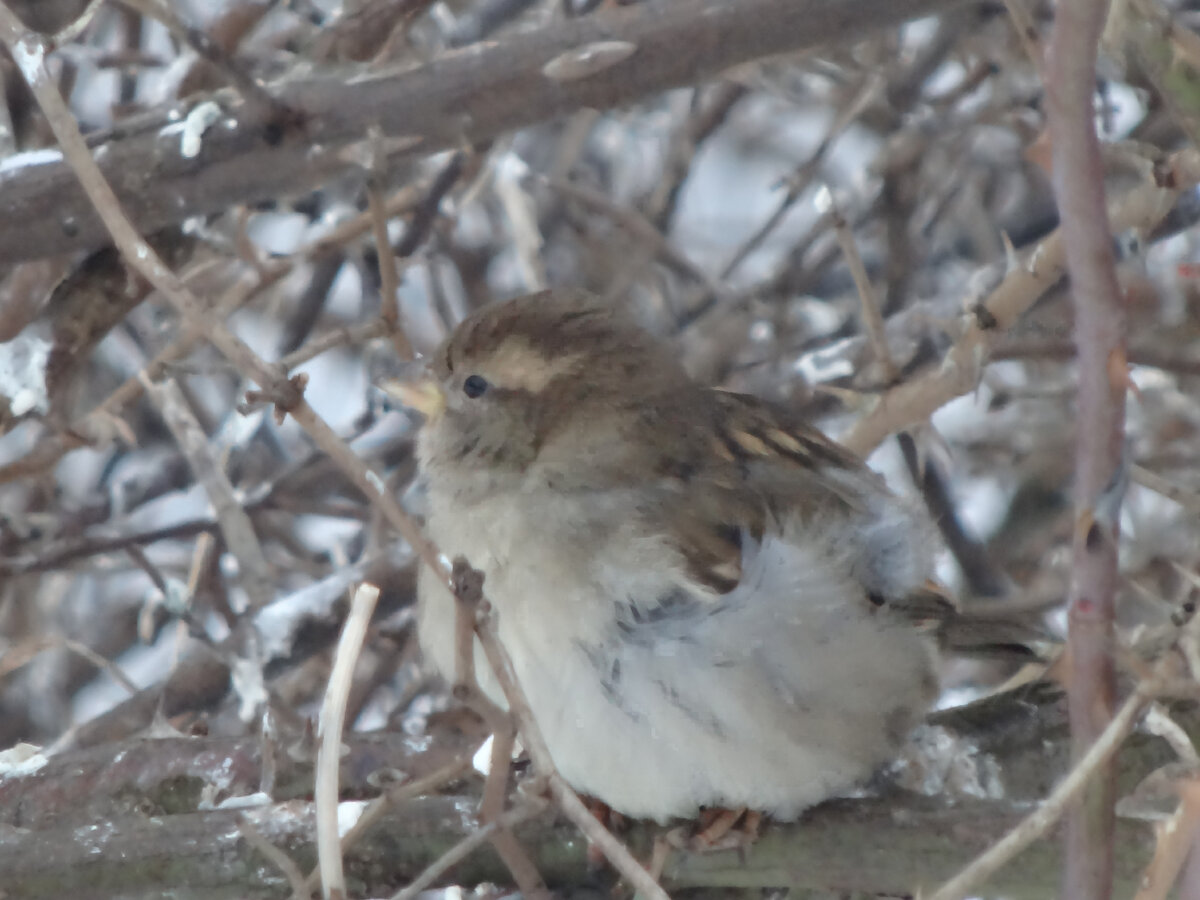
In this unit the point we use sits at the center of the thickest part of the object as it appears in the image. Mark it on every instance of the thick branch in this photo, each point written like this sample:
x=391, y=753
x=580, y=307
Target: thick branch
x=872, y=846
x=138, y=832
x=470, y=95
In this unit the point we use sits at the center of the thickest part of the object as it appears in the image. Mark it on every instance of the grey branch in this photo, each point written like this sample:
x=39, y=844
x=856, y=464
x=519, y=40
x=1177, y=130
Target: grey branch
x=138, y=832
x=469, y=95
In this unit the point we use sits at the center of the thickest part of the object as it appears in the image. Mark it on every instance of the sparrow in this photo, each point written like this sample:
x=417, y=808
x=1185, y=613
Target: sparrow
x=707, y=602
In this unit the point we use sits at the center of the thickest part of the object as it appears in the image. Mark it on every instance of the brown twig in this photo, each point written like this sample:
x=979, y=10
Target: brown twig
x=528, y=808
x=983, y=577
x=1103, y=378
x=803, y=175
x=912, y=402
x=236, y=527
x=23, y=653
x=278, y=858
x=499, y=766
x=467, y=587
x=1189, y=500
x=620, y=857
x=286, y=394
x=641, y=229
x=389, y=274
x=871, y=317
x=379, y=807
x=1177, y=839
x=425, y=209
x=1026, y=30
x=115, y=671
x=712, y=109
x=1049, y=811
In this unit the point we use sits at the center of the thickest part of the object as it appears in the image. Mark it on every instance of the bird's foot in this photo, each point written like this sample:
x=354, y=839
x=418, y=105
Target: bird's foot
x=718, y=829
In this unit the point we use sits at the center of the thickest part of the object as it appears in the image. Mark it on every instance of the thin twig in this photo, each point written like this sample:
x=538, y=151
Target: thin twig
x=425, y=209
x=367, y=481
x=531, y=807
x=1189, y=500
x=281, y=860
x=1176, y=838
x=869, y=92
x=236, y=526
x=467, y=587
x=78, y=25
x=401, y=792
x=871, y=317
x=500, y=764
x=337, y=337
x=106, y=665
x=377, y=808
x=914, y=401
x=1026, y=30
x=641, y=229
x=535, y=744
x=1050, y=810
x=389, y=274
x=286, y=394
x=333, y=711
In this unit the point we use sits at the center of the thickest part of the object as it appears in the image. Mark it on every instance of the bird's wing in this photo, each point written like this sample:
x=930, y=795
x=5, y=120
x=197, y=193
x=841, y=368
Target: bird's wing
x=763, y=466
x=765, y=470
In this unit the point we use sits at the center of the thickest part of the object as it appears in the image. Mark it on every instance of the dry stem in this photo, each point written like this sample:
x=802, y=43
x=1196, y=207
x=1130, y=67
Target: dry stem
x=529, y=808
x=535, y=744
x=333, y=713
x=1050, y=810
x=914, y=401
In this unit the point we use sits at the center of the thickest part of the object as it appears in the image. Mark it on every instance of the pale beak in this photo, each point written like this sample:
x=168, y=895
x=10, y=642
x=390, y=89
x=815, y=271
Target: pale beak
x=422, y=394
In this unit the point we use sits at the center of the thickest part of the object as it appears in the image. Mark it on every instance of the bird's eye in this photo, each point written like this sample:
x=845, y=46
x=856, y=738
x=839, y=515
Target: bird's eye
x=475, y=386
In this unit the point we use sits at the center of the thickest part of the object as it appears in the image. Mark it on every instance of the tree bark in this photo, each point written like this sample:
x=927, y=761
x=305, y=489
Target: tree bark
x=121, y=820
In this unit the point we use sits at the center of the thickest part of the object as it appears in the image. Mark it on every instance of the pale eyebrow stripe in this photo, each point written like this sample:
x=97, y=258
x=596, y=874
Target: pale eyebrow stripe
x=516, y=365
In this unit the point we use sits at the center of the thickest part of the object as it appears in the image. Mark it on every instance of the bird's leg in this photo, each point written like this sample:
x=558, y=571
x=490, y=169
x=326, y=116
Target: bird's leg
x=718, y=829
x=659, y=855
x=714, y=826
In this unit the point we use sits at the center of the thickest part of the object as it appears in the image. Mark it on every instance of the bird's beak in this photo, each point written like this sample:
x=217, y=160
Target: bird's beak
x=422, y=394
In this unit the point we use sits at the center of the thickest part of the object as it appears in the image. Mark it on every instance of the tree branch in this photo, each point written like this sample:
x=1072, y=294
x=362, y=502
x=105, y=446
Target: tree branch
x=1100, y=468
x=139, y=830
x=469, y=95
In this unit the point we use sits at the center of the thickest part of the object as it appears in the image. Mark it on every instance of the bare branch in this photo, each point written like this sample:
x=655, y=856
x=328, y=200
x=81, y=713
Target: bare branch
x=1050, y=810
x=527, y=726
x=333, y=713
x=912, y=402
x=490, y=89
x=1100, y=466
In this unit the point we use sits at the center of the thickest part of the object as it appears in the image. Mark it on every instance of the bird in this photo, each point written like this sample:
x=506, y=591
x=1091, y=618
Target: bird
x=708, y=603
